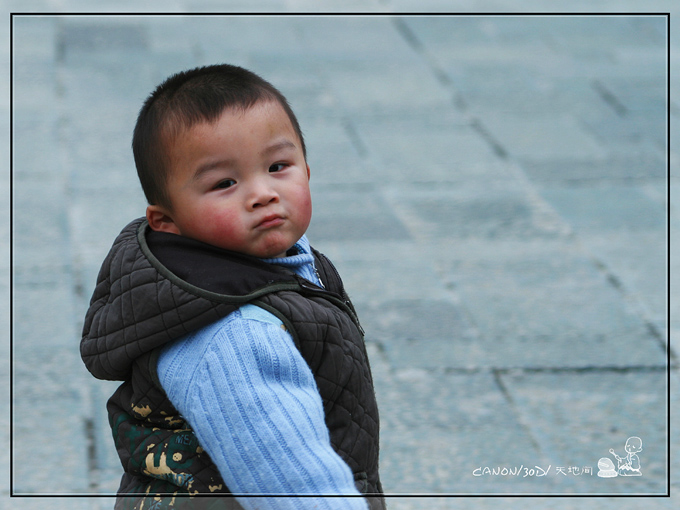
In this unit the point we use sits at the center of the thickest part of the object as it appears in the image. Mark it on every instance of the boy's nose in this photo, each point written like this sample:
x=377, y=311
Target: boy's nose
x=262, y=195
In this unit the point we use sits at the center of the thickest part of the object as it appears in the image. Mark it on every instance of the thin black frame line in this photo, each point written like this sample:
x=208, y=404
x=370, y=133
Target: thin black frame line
x=11, y=255
x=343, y=14
x=387, y=496
x=370, y=14
x=668, y=241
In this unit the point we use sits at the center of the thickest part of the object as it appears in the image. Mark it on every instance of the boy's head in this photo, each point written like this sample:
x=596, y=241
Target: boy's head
x=187, y=98
x=221, y=159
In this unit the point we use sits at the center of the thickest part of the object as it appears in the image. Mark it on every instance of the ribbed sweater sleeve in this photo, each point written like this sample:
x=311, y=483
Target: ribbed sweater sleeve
x=253, y=403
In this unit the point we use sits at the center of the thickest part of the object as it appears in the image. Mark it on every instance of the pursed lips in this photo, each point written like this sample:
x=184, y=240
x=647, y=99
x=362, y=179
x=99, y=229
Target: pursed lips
x=271, y=220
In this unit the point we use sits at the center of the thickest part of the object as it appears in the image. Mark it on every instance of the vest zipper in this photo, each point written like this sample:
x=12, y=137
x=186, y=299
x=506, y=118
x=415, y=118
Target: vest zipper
x=333, y=297
x=318, y=277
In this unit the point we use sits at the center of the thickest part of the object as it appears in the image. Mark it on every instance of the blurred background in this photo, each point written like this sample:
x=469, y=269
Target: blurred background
x=493, y=188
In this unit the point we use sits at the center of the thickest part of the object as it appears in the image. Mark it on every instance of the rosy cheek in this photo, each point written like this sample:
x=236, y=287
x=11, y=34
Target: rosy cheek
x=218, y=224
x=214, y=227
x=303, y=201
x=308, y=207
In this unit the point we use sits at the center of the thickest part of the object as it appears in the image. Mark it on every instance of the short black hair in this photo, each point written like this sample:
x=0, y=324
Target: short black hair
x=187, y=98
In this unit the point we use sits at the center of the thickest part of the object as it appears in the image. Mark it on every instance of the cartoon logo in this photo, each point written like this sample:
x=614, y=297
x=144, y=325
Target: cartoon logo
x=606, y=468
x=627, y=466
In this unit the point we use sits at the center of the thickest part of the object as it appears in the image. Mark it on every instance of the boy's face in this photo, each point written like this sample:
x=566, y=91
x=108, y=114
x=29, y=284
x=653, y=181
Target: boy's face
x=240, y=183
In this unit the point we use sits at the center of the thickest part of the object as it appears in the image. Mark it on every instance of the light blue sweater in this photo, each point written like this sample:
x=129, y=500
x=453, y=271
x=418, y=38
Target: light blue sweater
x=253, y=403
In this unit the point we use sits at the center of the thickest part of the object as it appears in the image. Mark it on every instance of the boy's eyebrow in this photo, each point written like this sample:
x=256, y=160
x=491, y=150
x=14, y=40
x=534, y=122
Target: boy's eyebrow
x=283, y=144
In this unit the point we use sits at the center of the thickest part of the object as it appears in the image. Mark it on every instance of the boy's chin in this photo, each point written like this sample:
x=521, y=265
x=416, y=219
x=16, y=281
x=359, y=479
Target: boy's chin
x=274, y=255
x=271, y=252
x=276, y=246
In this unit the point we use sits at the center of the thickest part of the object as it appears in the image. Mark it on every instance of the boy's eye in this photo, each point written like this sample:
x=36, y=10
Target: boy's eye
x=227, y=183
x=277, y=167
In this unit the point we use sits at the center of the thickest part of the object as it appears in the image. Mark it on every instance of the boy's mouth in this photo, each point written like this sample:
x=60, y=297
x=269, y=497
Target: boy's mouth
x=271, y=220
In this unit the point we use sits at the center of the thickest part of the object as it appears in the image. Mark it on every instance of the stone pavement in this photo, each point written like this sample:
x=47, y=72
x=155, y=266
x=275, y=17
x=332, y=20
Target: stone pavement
x=493, y=189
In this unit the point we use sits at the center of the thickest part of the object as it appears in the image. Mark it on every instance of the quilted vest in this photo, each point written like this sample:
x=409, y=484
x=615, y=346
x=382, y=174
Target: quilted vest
x=154, y=288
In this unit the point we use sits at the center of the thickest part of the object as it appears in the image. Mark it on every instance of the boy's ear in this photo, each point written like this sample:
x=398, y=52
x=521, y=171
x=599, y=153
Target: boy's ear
x=308, y=173
x=160, y=221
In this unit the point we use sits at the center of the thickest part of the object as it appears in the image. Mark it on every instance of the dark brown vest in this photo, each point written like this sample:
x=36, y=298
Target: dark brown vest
x=154, y=288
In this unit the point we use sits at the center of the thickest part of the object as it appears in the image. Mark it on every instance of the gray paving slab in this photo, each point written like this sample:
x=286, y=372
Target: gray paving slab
x=424, y=333
x=386, y=88
x=629, y=168
x=642, y=272
x=440, y=446
x=593, y=413
x=333, y=154
x=269, y=36
x=37, y=130
x=543, y=137
x=401, y=147
x=492, y=189
x=496, y=209
x=499, y=88
x=34, y=65
x=51, y=301
x=67, y=471
x=552, y=300
x=366, y=215
x=612, y=132
x=364, y=39
x=314, y=104
x=45, y=241
x=607, y=209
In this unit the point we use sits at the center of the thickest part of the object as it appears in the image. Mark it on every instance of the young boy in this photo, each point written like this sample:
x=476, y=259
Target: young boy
x=243, y=361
